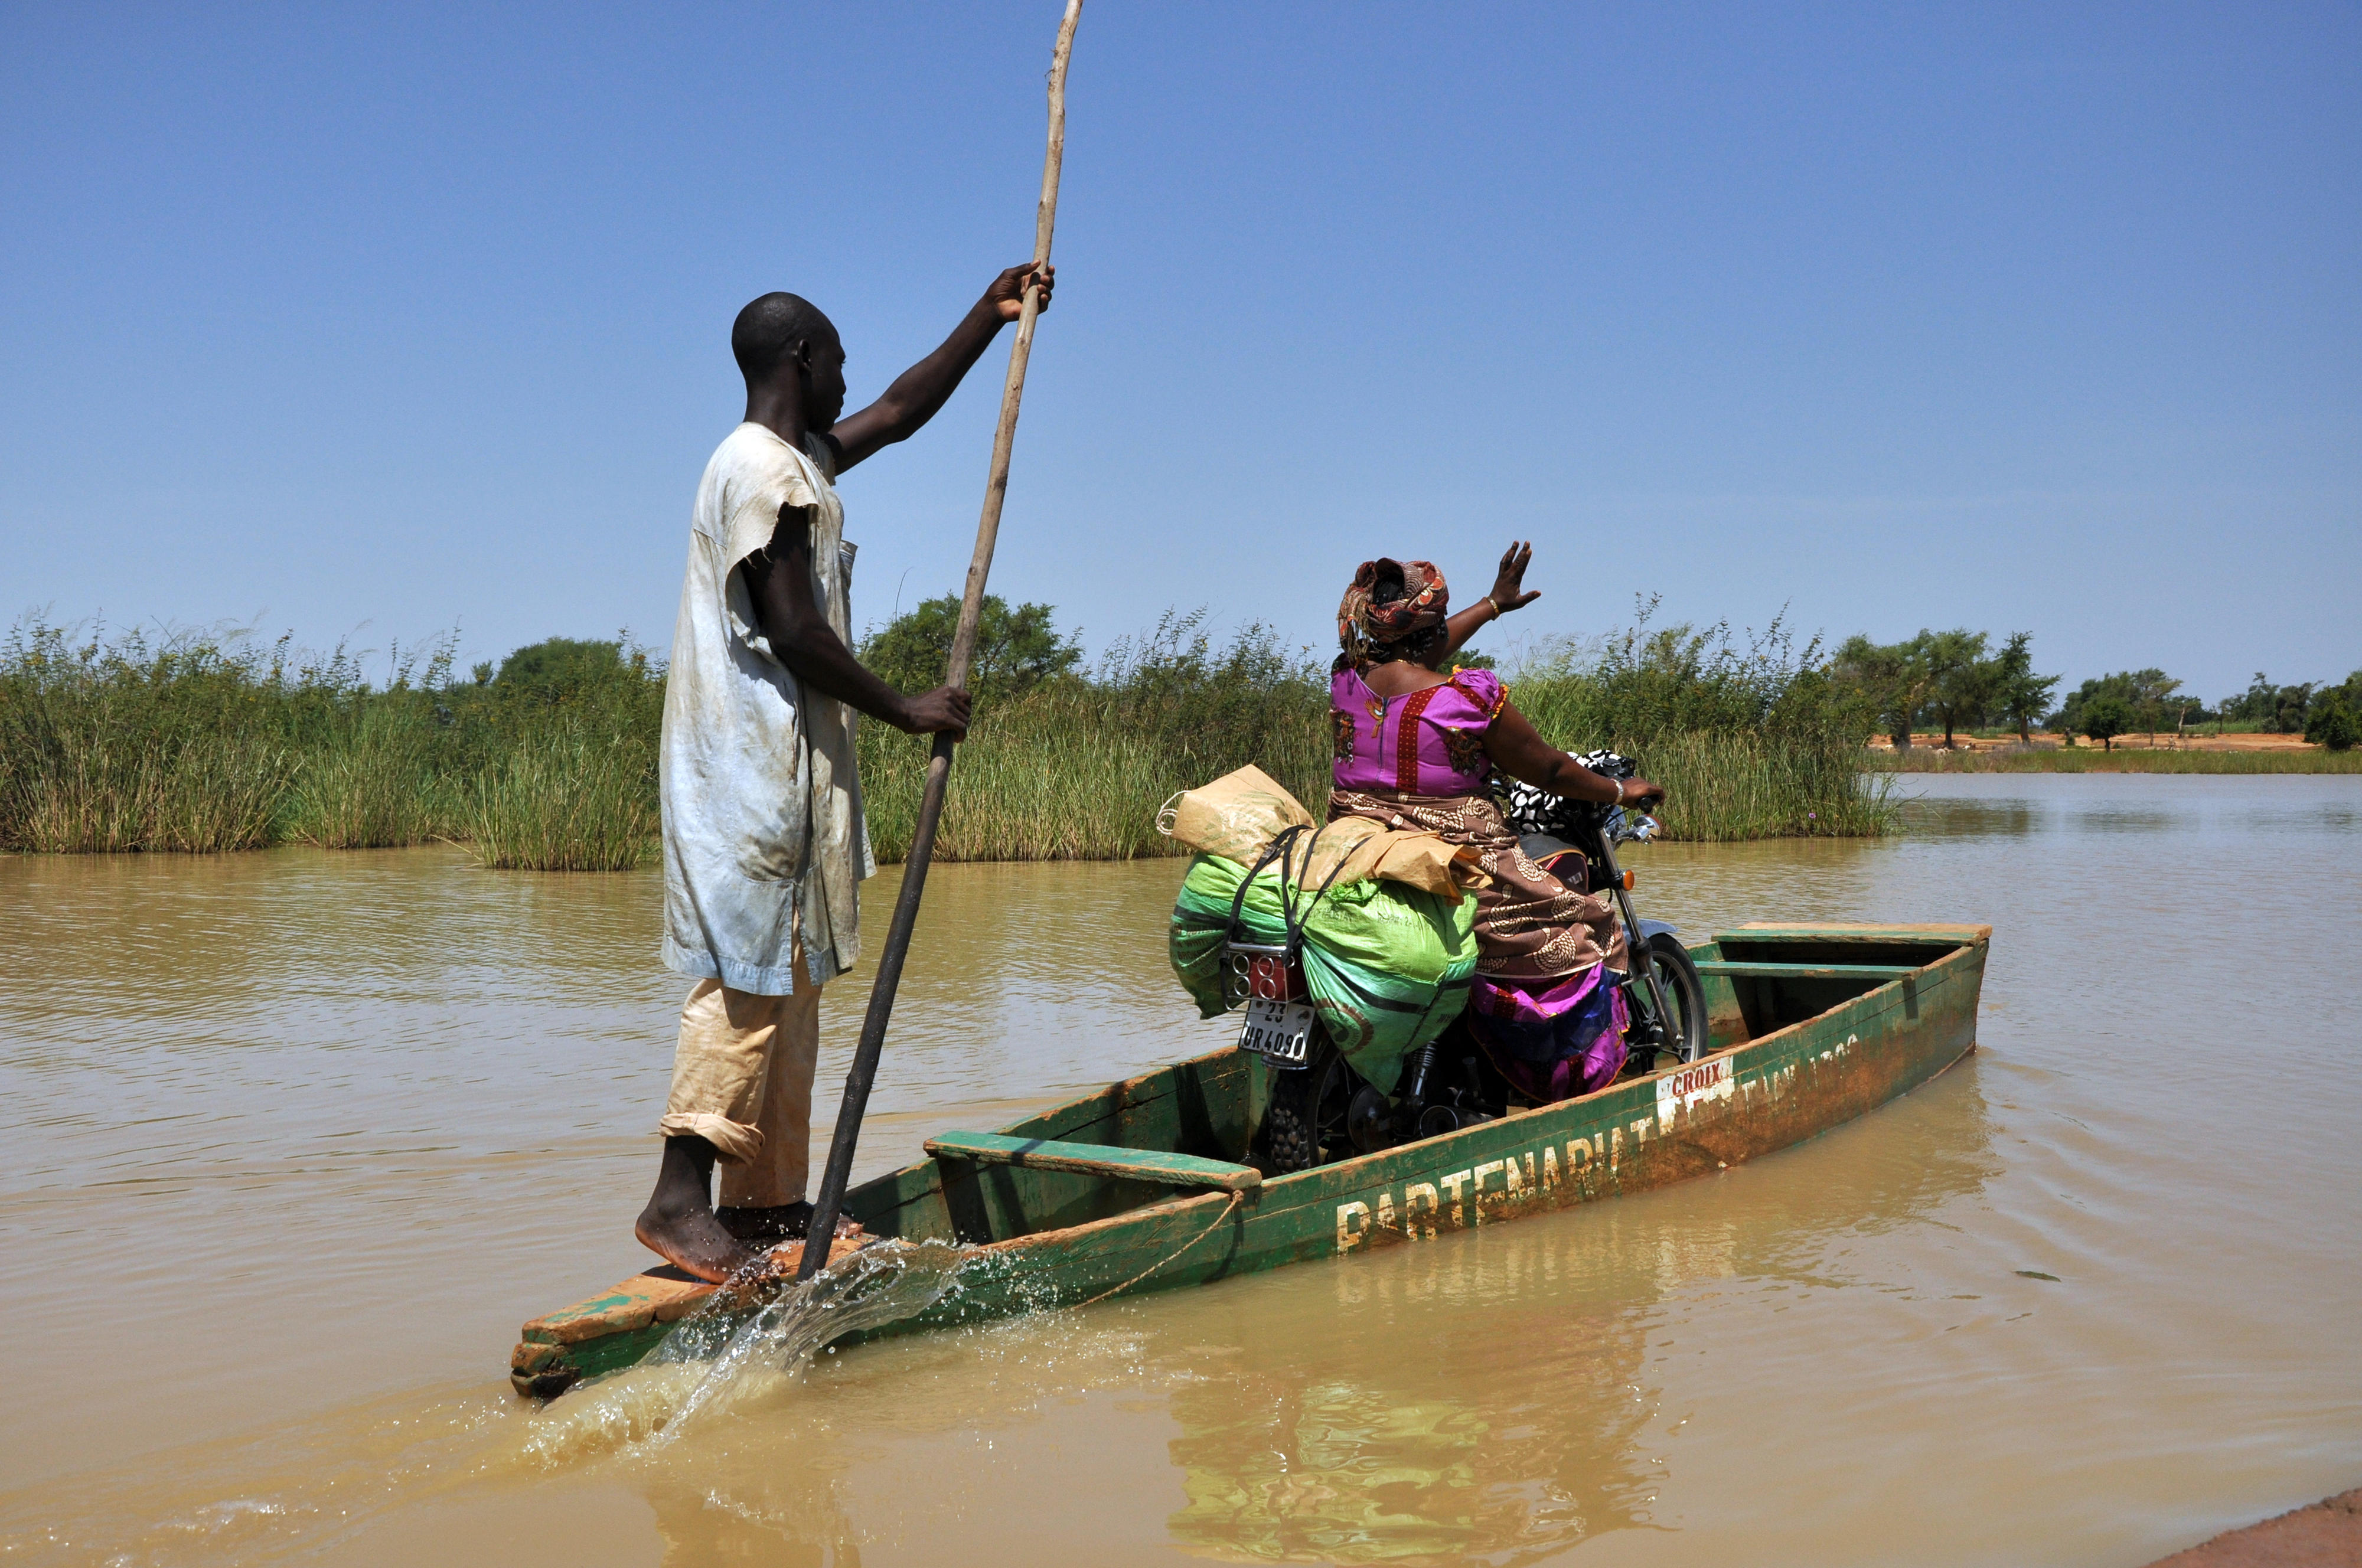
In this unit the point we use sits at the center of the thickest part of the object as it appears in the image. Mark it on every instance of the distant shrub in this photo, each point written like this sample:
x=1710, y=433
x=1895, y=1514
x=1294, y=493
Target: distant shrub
x=2104, y=717
x=560, y=670
x=2335, y=726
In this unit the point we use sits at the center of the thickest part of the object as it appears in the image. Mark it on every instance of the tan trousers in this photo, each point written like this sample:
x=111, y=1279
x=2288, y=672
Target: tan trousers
x=742, y=1078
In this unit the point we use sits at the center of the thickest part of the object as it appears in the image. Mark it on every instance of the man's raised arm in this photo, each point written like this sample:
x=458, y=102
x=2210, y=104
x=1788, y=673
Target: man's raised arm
x=922, y=389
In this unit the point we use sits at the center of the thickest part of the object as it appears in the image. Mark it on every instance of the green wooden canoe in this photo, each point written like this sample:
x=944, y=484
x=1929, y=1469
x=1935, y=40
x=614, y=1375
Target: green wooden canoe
x=1143, y=1187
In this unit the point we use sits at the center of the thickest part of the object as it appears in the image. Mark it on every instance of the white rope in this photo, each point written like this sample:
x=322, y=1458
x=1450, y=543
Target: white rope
x=1228, y=1210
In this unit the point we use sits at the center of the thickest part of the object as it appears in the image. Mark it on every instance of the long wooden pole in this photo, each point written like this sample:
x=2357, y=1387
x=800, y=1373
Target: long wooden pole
x=864, y=1073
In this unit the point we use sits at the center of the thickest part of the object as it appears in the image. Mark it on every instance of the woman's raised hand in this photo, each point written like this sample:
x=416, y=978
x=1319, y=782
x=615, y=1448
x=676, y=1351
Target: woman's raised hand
x=1510, y=584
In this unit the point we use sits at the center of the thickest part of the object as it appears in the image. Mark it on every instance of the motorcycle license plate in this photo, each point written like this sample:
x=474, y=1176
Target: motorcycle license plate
x=1278, y=1031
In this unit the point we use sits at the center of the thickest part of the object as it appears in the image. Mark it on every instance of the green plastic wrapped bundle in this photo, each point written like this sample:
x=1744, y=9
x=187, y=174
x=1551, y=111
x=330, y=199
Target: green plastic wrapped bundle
x=1388, y=965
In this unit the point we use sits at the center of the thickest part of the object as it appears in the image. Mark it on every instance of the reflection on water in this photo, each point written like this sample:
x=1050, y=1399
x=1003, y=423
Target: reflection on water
x=337, y=1123
x=1492, y=1402
x=1961, y=819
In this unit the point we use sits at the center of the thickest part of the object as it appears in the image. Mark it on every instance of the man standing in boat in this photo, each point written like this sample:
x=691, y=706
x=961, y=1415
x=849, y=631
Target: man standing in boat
x=764, y=841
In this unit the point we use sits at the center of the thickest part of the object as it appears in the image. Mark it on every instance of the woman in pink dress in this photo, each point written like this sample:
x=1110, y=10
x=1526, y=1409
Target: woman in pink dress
x=1413, y=748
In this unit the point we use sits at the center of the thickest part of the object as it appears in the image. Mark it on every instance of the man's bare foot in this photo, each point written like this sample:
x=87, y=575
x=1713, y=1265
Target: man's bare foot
x=678, y=1225
x=694, y=1240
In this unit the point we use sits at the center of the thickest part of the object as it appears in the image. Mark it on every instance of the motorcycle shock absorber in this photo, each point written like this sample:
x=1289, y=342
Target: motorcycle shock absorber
x=1420, y=1067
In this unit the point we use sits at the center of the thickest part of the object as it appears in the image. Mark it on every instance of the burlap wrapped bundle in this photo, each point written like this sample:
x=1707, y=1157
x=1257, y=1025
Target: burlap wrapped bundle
x=1239, y=814
x=1387, y=917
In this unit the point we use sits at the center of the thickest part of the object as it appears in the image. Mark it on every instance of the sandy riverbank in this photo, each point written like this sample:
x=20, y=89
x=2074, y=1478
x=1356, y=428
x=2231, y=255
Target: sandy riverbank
x=2327, y=1534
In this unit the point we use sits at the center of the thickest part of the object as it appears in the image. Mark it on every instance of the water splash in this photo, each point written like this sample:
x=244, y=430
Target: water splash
x=733, y=1351
x=876, y=1286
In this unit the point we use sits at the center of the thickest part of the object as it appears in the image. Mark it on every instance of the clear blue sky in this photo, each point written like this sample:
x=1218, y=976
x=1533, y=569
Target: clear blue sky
x=377, y=322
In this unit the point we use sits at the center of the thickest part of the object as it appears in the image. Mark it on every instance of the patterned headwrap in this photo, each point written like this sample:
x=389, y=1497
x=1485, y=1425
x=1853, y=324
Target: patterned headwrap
x=1362, y=625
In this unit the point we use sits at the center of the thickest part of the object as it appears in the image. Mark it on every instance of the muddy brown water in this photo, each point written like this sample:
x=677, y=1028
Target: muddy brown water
x=294, y=1141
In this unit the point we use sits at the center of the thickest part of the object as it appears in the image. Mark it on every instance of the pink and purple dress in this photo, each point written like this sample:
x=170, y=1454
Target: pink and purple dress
x=1539, y=1005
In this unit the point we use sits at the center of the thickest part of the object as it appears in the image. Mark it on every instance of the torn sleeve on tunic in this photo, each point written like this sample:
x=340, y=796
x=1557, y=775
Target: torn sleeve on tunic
x=753, y=523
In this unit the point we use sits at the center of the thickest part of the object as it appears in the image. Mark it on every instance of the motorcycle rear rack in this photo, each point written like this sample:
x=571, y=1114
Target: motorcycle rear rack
x=1247, y=970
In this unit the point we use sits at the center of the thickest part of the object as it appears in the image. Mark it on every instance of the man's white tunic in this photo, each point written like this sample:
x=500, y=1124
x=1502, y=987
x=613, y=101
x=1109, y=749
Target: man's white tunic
x=764, y=839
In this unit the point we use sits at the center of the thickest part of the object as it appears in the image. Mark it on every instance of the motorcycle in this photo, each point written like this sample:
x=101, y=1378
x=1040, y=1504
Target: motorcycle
x=1321, y=1109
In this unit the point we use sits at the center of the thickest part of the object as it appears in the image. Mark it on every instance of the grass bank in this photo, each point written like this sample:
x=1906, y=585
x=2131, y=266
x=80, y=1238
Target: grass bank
x=2127, y=759
x=205, y=743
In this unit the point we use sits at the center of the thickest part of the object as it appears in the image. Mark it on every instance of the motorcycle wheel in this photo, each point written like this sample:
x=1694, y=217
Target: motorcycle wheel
x=1686, y=1038
x=1306, y=1112
x=1369, y=1121
x=1437, y=1121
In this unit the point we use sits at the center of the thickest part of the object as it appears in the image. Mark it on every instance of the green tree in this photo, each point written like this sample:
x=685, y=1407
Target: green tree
x=2152, y=698
x=2335, y=727
x=2334, y=717
x=1960, y=679
x=2288, y=711
x=2280, y=710
x=1890, y=679
x=2105, y=717
x=2019, y=695
x=2070, y=717
x=2253, y=705
x=1015, y=649
x=2145, y=695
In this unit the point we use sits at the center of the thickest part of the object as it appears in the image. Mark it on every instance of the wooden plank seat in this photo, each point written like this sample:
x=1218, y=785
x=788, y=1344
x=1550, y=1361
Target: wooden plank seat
x=1094, y=1159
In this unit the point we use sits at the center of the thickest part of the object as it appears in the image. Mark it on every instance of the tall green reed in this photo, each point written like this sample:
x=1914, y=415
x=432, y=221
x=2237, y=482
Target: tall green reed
x=204, y=742
x=378, y=784
x=565, y=771
x=130, y=746
x=563, y=800
x=1722, y=786
x=1751, y=736
x=1751, y=741
x=207, y=743
x=1076, y=768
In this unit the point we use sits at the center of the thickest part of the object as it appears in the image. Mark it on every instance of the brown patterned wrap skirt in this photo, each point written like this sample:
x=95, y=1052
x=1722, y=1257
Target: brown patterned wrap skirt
x=1529, y=926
